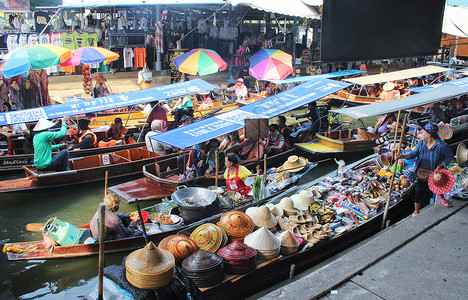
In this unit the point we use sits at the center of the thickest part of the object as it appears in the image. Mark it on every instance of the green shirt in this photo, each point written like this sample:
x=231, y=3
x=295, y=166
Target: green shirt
x=43, y=147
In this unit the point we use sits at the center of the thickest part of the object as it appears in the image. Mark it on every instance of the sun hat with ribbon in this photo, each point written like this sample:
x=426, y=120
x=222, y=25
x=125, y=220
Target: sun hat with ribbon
x=43, y=124
x=294, y=164
x=441, y=181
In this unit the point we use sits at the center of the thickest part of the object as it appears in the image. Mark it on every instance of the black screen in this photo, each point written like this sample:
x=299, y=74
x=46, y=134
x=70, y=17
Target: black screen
x=378, y=29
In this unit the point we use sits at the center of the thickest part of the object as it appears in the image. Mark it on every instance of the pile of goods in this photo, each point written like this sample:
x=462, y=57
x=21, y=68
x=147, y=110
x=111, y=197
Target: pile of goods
x=86, y=79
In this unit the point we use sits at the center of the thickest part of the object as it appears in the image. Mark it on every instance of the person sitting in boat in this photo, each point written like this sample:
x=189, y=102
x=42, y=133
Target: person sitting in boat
x=285, y=131
x=232, y=139
x=239, y=89
x=159, y=112
x=182, y=108
x=375, y=90
x=389, y=92
x=154, y=145
x=84, y=137
x=382, y=124
x=42, y=142
x=248, y=150
x=207, y=166
x=313, y=123
x=205, y=100
x=118, y=226
x=119, y=133
x=275, y=141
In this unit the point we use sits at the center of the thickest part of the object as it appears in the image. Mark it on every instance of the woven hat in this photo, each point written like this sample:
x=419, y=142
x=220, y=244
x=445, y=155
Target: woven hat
x=303, y=199
x=462, y=180
x=275, y=210
x=294, y=164
x=236, y=224
x=262, y=239
x=99, y=78
x=445, y=131
x=462, y=154
x=289, y=243
x=43, y=124
x=208, y=237
x=388, y=86
x=287, y=205
x=180, y=246
x=431, y=128
x=264, y=218
x=441, y=181
x=150, y=267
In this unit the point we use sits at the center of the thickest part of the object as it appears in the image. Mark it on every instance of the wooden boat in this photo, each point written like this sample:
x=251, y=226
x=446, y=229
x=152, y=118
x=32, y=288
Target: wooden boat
x=340, y=141
x=83, y=169
x=348, y=97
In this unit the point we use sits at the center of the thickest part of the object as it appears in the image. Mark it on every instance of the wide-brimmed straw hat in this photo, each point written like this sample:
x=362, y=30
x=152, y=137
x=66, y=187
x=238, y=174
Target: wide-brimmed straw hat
x=441, y=181
x=462, y=154
x=287, y=205
x=264, y=218
x=43, y=124
x=99, y=78
x=388, y=86
x=303, y=199
x=294, y=164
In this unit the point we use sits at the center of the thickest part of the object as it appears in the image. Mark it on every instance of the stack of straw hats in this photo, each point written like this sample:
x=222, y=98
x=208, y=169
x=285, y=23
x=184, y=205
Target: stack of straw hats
x=209, y=237
x=295, y=164
x=238, y=258
x=180, y=246
x=303, y=199
x=289, y=243
x=150, y=267
x=275, y=210
x=236, y=224
x=262, y=217
x=287, y=205
x=204, y=268
x=265, y=242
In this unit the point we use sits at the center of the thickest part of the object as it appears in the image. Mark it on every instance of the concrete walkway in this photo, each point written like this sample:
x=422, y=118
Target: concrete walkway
x=425, y=257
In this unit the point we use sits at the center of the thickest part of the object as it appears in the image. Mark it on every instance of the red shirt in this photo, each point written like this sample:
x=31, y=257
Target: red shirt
x=158, y=113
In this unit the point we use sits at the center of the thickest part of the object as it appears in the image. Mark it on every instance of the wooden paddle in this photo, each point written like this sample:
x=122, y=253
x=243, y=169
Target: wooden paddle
x=35, y=227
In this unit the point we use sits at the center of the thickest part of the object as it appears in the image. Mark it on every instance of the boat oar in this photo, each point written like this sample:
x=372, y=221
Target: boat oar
x=102, y=229
x=145, y=235
x=265, y=168
x=105, y=184
x=35, y=227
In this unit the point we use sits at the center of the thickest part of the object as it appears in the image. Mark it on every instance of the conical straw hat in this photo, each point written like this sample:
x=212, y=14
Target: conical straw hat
x=303, y=199
x=251, y=211
x=43, y=124
x=287, y=205
x=208, y=237
x=262, y=239
x=180, y=246
x=236, y=224
x=150, y=267
x=264, y=218
x=289, y=243
x=275, y=210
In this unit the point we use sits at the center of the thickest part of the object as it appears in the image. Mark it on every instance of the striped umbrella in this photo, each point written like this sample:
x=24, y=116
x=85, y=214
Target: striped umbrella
x=37, y=56
x=200, y=61
x=270, y=64
x=90, y=55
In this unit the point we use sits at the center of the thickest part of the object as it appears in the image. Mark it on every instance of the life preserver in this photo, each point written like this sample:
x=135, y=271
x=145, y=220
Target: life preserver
x=236, y=184
x=85, y=133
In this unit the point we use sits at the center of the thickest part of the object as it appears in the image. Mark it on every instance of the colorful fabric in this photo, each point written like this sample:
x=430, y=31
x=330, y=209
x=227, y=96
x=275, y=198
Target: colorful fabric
x=270, y=64
x=441, y=181
x=89, y=55
x=200, y=61
x=159, y=38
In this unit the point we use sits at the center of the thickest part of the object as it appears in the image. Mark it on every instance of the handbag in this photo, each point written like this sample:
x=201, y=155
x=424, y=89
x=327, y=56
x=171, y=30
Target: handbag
x=423, y=174
x=146, y=74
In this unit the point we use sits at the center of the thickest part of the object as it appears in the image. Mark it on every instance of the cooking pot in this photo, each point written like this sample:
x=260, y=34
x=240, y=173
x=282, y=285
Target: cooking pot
x=217, y=190
x=195, y=203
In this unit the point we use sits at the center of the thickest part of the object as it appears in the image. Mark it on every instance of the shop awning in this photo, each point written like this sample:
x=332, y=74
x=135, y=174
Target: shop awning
x=105, y=103
x=295, y=8
x=397, y=75
x=455, y=21
x=459, y=82
x=187, y=136
x=433, y=96
x=105, y=3
x=327, y=75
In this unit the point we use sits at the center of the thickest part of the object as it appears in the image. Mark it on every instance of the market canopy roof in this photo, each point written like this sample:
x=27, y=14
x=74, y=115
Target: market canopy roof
x=93, y=3
x=192, y=134
x=459, y=82
x=295, y=8
x=433, y=96
x=327, y=75
x=105, y=103
x=397, y=75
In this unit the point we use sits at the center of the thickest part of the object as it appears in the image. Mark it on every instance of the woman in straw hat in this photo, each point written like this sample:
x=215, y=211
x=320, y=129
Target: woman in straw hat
x=43, y=147
x=431, y=154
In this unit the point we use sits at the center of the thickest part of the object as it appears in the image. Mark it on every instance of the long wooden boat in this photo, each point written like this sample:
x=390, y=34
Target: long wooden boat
x=340, y=141
x=269, y=273
x=83, y=169
x=346, y=96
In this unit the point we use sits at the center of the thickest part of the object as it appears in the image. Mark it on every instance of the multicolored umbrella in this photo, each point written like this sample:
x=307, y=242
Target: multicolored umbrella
x=270, y=64
x=34, y=57
x=90, y=55
x=201, y=61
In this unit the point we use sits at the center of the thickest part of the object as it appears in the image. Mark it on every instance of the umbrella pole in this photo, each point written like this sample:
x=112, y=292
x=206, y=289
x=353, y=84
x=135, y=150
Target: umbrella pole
x=387, y=203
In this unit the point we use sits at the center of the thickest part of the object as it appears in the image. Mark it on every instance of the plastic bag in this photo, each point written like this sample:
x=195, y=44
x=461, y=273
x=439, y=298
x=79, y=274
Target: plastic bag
x=145, y=75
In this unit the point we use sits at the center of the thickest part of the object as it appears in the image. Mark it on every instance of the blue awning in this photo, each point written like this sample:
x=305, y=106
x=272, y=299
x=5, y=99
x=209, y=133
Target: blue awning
x=222, y=124
x=459, y=82
x=107, y=102
x=327, y=75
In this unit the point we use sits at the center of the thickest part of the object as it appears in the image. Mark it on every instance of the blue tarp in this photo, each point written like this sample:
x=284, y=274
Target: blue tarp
x=222, y=124
x=327, y=75
x=105, y=103
x=459, y=82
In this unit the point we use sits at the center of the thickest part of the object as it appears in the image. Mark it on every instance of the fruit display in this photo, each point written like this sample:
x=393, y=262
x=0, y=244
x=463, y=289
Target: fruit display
x=86, y=79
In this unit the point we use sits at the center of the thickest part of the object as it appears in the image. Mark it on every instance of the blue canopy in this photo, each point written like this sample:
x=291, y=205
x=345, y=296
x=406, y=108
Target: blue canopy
x=105, y=103
x=327, y=75
x=189, y=135
x=459, y=82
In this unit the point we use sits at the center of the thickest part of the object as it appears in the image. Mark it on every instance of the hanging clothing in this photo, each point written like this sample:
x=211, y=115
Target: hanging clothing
x=128, y=57
x=140, y=57
x=68, y=41
x=15, y=96
x=12, y=42
x=44, y=81
x=119, y=63
x=159, y=38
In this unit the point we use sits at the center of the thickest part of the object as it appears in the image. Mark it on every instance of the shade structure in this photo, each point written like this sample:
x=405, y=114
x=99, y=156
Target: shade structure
x=33, y=57
x=90, y=55
x=270, y=64
x=200, y=61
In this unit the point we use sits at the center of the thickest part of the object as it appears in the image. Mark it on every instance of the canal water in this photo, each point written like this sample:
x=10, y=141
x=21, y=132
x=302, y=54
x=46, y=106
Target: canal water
x=52, y=279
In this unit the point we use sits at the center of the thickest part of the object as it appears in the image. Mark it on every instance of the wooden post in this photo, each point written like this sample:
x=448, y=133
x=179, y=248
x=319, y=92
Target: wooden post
x=105, y=184
x=216, y=168
x=264, y=167
x=102, y=231
x=395, y=164
x=145, y=235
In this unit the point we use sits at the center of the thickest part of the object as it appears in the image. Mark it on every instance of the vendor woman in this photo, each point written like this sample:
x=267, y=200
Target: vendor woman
x=235, y=175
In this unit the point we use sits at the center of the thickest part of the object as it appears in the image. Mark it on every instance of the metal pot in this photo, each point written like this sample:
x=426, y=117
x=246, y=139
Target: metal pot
x=217, y=190
x=195, y=203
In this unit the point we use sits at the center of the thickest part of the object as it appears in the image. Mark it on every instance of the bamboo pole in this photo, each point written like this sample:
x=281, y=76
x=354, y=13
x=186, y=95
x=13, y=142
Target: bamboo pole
x=396, y=130
x=145, y=235
x=392, y=179
x=105, y=184
x=216, y=168
x=102, y=229
x=264, y=168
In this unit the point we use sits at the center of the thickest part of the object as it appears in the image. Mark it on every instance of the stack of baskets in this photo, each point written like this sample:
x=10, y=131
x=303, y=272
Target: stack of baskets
x=204, y=268
x=238, y=258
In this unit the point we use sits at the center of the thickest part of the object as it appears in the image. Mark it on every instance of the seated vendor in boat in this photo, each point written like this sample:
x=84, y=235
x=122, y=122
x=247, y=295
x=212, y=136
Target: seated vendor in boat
x=239, y=89
x=118, y=226
x=389, y=92
x=313, y=121
x=205, y=100
x=158, y=111
x=436, y=113
x=84, y=138
x=43, y=147
x=235, y=175
x=207, y=166
x=231, y=139
x=118, y=132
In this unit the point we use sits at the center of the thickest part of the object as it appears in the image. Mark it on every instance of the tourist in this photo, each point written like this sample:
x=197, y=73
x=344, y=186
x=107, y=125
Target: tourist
x=431, y=154
x=84, y=136
x=274, y=142
x=158, y=112
x=118, y=132
x=42, y=141
x=313, y=121
x=100, y=88
x=239, y=89
x=154, y=145
x=118, y=226
x=232, y=139
x=436, y=113
x=389, y=92
x=285, y=131
x=207, y=166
